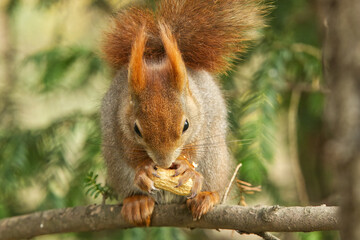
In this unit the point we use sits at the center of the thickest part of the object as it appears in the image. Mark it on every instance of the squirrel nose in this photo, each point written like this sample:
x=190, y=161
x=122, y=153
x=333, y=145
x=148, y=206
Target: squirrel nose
x=164, y=162
x=163, y=159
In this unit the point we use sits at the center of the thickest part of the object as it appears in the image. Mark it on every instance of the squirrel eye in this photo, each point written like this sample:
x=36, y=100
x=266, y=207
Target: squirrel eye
x=136, y=129
x=186, y=126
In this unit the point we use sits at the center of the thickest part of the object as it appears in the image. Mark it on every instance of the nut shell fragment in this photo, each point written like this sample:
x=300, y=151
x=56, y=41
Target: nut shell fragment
x=167, y=182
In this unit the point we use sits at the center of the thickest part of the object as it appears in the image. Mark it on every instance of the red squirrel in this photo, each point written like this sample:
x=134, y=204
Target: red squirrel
x=164, y=107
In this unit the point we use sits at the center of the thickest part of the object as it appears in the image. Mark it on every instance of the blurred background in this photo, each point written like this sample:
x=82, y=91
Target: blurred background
x=52, y=80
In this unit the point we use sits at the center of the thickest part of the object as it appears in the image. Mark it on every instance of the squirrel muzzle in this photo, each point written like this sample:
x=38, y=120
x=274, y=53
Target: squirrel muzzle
x=164, y=160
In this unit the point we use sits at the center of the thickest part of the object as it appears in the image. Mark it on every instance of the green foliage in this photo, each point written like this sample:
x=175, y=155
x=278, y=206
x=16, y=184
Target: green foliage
x=39, y=158
x=102, y=5
x=56, y=63
x=310, y=236
x=47, y=3
x=11, y=6
x=94, y=189
x=253, y=114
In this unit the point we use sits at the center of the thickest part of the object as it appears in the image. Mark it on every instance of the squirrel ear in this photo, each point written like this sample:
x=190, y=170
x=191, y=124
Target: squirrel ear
x=174, y=56
x=136, y=71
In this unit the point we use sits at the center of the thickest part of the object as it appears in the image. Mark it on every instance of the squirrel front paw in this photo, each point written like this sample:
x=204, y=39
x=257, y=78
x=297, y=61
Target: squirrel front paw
x=187, y=171
x=142, y=176
x=138, y=209
x=202, y=203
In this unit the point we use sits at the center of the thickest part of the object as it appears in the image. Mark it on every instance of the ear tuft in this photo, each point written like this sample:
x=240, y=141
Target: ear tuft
x=174, y=56
x=137, y=66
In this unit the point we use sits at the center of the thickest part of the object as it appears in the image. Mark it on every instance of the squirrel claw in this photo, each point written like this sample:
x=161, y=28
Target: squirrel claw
x=138, y=209
x=142, y=176
x=153, y=190
x=187, y=171
x=192, y=196
x=155, y=175
x=202, y=203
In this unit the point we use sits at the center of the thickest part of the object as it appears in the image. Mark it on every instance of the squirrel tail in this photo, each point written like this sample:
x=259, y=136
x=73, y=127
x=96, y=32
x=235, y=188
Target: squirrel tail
x=209, y=33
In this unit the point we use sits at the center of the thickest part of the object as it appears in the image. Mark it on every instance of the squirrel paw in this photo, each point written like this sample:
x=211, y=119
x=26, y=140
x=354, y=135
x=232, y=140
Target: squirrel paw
x=202, y=203
x=142, y=176
x=138, y=209
x=187, y=171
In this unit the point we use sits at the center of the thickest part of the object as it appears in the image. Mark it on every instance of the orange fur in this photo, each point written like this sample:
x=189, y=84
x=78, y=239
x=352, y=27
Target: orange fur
x=125, y=27
x=174, y=56
x=159, y=102
x=136, y=65
x=138, y=209
x=208, y=33
x=202, y=203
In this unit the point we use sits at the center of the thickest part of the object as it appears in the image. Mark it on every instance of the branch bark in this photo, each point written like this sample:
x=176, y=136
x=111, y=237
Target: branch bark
x=102, y=217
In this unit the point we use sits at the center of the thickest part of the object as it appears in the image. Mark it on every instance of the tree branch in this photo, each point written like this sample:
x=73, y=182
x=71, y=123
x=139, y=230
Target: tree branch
x=244, y=219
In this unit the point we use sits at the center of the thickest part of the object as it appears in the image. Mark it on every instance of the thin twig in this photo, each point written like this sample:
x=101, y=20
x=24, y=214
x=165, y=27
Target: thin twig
x=230, y=183
x=264, y=235
x=267, y=236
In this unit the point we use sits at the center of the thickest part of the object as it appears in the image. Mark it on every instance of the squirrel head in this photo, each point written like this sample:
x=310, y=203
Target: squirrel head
x=162, y=111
